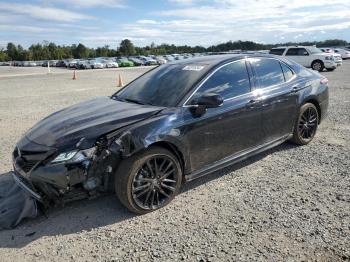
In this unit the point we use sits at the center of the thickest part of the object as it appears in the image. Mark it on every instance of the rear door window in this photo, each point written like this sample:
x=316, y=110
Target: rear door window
x=277, y=51
x=296, y=52
x=268, y=72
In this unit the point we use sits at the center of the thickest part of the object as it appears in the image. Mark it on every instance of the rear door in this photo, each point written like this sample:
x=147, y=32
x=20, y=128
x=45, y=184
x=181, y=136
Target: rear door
x=277, y=87
x=299, y=55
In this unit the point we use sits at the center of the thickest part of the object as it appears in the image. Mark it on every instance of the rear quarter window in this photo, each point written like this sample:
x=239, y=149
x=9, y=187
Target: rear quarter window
x=288, y=73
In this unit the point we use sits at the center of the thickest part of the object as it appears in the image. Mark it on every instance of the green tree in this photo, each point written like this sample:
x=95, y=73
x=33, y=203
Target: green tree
x=12, y=51
x=126, y=47
x=3, y=55
x=80, y=51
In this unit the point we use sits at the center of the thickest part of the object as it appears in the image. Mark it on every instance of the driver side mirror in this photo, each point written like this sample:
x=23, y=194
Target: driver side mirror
x=210, y=100
x=305, y=53
x=207, y=100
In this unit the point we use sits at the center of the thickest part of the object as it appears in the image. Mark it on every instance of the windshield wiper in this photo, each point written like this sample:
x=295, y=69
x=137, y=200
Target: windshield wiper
x=134, y=101
x=131, y=100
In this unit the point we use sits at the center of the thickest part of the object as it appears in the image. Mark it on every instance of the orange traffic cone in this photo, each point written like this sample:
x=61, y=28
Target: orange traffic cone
x=74, y=75
x=120, y=81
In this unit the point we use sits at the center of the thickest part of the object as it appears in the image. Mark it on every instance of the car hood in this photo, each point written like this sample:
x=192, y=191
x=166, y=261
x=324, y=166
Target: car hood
x=88, y=120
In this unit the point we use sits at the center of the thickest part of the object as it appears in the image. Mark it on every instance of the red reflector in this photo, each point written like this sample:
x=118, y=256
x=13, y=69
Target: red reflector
x=324, y=81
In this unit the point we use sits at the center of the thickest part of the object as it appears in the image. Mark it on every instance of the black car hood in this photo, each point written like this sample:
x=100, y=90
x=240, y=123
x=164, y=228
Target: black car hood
x=88, y=120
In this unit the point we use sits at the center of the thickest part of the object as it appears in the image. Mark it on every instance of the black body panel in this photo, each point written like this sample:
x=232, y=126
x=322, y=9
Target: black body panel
x=89, y=120
x=242, y=126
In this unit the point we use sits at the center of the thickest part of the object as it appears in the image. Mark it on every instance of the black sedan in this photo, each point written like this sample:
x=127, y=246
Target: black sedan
x=177, y=122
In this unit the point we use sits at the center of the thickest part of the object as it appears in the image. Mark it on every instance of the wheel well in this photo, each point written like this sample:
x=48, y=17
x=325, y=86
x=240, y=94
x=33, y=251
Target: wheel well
x=317, y=60
x=173, y=149
x=317, y=105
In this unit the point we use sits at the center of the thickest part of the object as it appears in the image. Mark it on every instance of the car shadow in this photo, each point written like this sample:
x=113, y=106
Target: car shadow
x=87, y=215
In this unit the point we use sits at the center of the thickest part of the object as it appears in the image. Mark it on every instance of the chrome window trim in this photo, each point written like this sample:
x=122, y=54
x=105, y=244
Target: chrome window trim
x=212, y=73
x=263, y=90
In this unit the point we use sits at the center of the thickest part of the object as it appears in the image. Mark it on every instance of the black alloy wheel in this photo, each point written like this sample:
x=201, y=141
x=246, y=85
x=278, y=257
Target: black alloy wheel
x=155, y=182
x=306, y=125
x=148, y=181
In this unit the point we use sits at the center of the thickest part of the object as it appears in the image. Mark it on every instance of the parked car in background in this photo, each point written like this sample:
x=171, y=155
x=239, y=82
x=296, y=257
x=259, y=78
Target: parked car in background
x=169, y=58
x=327, y=50
x=31, y=63
x=176, y=123
x=84, y=64
x=51, y=62
x=337, y=57
x=137, y=61
x=308, y=56
x=73, y=64
x=161, y=60
x=148, y=60
x=95, y=64
x=345, y=54
x=61, y=63
x=110, y=64
x=124, y=62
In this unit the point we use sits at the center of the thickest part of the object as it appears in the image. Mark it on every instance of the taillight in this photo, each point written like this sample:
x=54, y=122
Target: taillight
x=324, y=81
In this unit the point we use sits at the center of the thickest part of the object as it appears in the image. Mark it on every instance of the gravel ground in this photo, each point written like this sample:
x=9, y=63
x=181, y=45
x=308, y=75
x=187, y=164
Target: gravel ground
x=290, y=203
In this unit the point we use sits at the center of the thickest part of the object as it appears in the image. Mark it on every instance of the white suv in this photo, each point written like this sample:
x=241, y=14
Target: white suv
x=308, y=56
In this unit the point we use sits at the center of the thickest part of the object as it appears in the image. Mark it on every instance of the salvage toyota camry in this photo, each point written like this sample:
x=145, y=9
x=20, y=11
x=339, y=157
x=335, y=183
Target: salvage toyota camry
x=173, y=124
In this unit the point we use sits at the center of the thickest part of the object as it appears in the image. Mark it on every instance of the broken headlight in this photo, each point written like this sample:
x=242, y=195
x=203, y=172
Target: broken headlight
x=75, y=156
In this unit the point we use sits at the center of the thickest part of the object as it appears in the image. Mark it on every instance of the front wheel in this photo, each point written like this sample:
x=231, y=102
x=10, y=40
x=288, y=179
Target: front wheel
x=306, y=125
x=148, y=181
x=317, y=65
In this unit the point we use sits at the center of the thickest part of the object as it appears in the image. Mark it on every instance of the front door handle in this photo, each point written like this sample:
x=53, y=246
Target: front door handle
x=251, y=103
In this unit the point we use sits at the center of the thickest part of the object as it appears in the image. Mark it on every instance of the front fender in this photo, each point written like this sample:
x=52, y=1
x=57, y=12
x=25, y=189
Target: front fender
x=130, y=142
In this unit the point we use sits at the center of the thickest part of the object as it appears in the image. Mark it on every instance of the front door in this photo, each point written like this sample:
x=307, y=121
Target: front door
x=226, y=130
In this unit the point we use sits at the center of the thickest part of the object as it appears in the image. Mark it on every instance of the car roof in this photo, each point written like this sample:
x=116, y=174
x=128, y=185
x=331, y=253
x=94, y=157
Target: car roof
x=215, y=60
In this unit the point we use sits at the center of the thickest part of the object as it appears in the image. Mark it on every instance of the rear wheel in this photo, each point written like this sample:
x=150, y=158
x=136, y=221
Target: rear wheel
x=317, y=65
x=306, y=125
x=149, y=180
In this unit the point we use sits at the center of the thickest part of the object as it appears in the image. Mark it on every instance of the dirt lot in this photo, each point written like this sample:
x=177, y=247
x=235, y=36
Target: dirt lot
x=290, y=203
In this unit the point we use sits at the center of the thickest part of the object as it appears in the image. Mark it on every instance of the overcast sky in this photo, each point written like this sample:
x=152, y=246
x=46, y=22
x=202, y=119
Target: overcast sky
x=193, y=22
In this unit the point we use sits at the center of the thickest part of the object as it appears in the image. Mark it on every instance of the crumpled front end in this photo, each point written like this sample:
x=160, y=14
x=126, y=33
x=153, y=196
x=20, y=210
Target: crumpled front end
x=60, y=176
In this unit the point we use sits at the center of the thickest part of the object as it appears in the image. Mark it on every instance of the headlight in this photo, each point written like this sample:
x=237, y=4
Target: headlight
x=75, y=156
x=329, y=58
x=64, y=156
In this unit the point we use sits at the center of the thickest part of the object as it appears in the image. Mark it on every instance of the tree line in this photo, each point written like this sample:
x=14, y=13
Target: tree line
x=50, y=51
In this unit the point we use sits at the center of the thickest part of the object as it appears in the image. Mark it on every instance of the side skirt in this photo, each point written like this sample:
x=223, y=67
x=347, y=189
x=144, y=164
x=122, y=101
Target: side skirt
x=227, y=161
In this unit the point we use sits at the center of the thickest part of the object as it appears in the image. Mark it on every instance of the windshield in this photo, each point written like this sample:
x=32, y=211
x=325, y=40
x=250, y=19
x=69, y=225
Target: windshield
x=314, y=50
x=164, y=86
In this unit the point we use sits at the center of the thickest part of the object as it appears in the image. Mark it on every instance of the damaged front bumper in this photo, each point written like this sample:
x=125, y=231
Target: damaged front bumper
x=60, y=182
x=17, y=200
x=25, y=185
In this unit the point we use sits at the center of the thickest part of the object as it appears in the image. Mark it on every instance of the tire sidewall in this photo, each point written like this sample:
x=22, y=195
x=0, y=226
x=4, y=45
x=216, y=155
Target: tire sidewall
x=130, y=169
x=320, y=62
x=297, y=135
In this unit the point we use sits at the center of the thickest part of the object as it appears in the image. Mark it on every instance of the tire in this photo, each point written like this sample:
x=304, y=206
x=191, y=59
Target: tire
x=133, y=178
x=317, y=65
x=306, y=125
